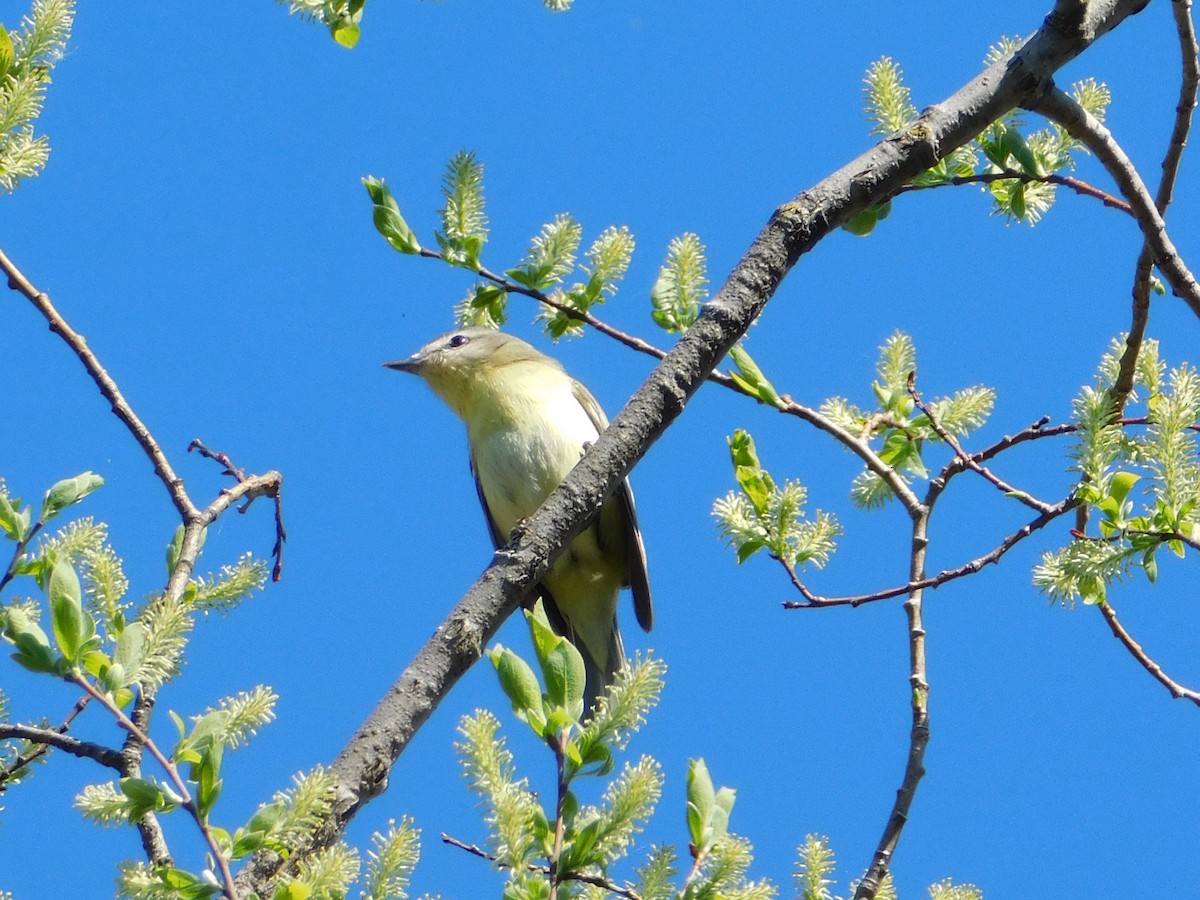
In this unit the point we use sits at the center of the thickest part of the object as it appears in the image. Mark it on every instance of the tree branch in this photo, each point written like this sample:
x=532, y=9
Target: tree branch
x=1178, y=691
x=795, y=228
x=50, y=737
x=1084, y=127
x=1186, y=31
x=918, y=739
x=969, y=461
x=1075, y=184
x=813, y=601
x=120, y=407
x=9, y=772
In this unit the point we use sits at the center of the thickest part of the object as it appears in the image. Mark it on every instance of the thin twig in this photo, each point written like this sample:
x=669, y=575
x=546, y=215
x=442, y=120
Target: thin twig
x=249, y=488
x=1084, y=127
x=216, y=455
x=49, y=737
x=812, y=601
x=9, y=772
x=19, y=551
x=1178, y=691
x=1186, y=32
x=1162, y=536
x=1077, y=185
x=969, y=461
x=596, y=880
x=120, y=407
x=177, y=782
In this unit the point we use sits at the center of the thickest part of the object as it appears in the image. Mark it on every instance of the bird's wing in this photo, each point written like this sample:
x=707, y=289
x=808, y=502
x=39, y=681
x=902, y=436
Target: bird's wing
x=635, y=550
x=557, y=620
x=498, y=539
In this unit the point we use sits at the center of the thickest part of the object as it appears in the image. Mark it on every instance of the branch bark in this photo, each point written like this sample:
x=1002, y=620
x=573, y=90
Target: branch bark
x=795, y=228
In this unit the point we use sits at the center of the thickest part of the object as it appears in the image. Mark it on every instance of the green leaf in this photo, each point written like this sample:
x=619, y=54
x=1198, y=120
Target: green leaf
x=293, y=890
x=7, y=52
x=345, y=27
x=1121, y=484
x=144, y=796
x=701, y=800
x=174, y=549
x=1150, y=565
x=68, y=491
x=130, y=647
x=1016, y=200
x=519, y=684
x=722, y=809
x=66, y=612
x=208, y=783
x=346, y=33
x=862, y=224
x=14, y=523
x=750, y=378
x=33, y=647
x=1013, y=143
x=755, y=481
x=388, y=220
x=562, y=666
x=747, y=549
x=186, y=886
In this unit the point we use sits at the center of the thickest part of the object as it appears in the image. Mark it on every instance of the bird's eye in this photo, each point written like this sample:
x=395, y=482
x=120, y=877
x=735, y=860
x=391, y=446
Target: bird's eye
x=458, y=340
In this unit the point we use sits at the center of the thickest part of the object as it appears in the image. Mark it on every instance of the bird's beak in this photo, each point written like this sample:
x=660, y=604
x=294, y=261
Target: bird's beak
x=412, y=365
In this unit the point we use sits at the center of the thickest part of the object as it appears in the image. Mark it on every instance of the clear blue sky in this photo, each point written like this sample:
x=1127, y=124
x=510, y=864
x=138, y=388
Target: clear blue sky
x=202, y=222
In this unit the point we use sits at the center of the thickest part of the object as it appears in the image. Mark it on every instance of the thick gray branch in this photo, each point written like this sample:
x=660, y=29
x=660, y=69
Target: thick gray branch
x=794, y=229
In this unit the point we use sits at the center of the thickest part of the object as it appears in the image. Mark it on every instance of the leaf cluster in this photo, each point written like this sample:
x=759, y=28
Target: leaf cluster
x=568, y=849
x=1005, y=148
x=27, y=56
x=897, y=426
x=763, y=515
x=567, y=282
x=1142, y=490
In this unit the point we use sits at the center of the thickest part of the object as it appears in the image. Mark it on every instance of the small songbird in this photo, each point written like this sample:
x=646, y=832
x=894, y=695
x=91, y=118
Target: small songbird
x=528, y=424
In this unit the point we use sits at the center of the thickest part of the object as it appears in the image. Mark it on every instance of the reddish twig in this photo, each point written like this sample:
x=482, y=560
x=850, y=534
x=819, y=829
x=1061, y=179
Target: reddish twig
x=249, y=488
x=969, y=461
x=597, y=881
x=1080, y=187
x=1083, y=126
x=813, y=600
x=1178, y=691
x=120, y=407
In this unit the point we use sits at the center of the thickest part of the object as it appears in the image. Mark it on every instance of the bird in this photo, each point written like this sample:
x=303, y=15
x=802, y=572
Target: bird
x=528, y=424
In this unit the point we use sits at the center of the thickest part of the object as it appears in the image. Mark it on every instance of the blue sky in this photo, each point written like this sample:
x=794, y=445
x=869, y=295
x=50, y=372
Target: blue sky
x=202, y=222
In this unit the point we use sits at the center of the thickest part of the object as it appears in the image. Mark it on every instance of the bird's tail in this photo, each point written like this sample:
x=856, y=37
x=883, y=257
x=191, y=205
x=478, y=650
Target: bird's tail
x=597, y=678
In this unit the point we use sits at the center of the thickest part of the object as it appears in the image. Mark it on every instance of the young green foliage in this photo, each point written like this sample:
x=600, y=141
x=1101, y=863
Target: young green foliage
x=815, y=864
x=391, y=860
x=342, y=17
x=226, y=590
x=763, y=515
x=27, y=56
x=682, y=285
x=388, y=220
x=901, y=428
x=551, y=256
x=583, y=841
x=1143, y=490
x=608, y=260
x=575, y=838
x=464, y=224
x=1004, y=146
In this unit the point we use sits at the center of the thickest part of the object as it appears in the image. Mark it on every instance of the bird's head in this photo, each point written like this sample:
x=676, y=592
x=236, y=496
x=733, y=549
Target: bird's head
x=455, y=363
